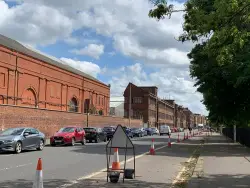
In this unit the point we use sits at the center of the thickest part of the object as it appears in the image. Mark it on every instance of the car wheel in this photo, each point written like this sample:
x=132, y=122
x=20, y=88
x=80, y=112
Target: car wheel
x=72, y=141
x=83, y=141
x=41, y=145
x=18, y=148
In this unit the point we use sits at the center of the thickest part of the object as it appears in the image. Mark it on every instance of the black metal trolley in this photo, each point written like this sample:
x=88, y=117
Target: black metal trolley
x=120, y=140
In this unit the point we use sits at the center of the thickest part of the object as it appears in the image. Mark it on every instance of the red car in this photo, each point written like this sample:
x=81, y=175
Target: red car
x=68, y=136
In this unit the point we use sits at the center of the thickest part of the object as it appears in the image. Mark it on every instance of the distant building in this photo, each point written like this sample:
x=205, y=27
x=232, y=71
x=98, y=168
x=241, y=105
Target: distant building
x=146, y=105
x=180, y=117
x=116, y=106
x=189, y=117
x=200, y=119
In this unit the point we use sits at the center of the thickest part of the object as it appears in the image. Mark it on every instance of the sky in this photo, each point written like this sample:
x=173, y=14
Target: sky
x=112, y=40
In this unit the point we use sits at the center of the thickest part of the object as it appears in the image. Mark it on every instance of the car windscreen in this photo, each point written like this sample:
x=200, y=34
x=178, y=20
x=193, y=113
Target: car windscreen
x=135, y=129
x=108, y=129
x=67, y=130
x=13, y=131
x=89, y=129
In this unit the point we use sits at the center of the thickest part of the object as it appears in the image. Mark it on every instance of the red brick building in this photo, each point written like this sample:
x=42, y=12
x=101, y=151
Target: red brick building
x=180, y=117
x=199, y=119
x=29, y=79
x=189, y=117
x=146, y=105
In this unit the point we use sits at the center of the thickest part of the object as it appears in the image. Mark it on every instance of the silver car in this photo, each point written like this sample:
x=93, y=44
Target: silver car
x=18, y=139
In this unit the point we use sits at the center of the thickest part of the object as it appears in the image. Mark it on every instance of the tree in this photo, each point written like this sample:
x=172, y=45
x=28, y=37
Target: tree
x=220, y=61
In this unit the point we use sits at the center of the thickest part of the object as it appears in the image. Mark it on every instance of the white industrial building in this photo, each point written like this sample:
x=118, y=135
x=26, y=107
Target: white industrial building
x=116, y=106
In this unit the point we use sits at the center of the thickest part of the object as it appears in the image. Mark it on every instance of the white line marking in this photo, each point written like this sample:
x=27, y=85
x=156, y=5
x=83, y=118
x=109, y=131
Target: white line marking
x=12, y=167
x=104, y=169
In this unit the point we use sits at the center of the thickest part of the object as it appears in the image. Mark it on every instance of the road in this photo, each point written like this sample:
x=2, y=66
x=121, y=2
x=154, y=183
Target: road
x=64, y=164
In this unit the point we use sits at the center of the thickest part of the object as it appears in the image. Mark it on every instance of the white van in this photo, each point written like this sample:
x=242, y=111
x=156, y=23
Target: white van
x=165, y=129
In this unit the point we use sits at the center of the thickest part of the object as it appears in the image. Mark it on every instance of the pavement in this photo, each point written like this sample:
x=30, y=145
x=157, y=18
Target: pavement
x=161, y=170
x=67, y=165
x=222, y=164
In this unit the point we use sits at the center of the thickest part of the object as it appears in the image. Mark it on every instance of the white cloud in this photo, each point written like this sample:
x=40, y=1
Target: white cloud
x=92, y=50
x=84, y=66
x=170, y=82
x=134, y=35
x=34, y=24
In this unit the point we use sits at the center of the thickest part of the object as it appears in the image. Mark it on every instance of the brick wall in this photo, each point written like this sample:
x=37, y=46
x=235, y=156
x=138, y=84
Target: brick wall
x=50, y=121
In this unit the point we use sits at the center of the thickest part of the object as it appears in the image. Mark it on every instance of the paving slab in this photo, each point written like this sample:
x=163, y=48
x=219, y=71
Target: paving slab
x=223, y=164
x=152, y=171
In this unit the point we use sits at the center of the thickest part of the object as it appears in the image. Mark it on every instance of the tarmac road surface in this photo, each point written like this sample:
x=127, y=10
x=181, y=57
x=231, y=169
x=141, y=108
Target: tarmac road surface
x=63, y=164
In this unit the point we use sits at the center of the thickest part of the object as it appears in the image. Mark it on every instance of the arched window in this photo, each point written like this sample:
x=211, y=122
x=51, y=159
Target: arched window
x=29, y=98
x=73, y=105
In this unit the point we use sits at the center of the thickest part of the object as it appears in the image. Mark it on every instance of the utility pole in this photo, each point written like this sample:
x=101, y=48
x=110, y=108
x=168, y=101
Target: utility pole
x=234, y=133
x=129, y=110
x=165, y=110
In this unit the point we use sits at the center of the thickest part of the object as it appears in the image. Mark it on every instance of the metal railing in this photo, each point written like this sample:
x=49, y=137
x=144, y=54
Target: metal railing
x=242, y=135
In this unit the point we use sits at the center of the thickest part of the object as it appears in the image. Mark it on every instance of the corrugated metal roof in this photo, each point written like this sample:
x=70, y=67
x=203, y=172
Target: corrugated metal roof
x=14, y=45
x=116, y=101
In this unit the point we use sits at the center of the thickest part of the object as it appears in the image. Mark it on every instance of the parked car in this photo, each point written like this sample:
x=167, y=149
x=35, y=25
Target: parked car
x=155, y=130
x=174, y=130
x=150, y=132
x=144, y=132
x=180, y=129
x=109, y=131
x=129, y=132
x=19, y=139
x=96, y=134
x=68, y=136
x=137, y=132
x=165, y=129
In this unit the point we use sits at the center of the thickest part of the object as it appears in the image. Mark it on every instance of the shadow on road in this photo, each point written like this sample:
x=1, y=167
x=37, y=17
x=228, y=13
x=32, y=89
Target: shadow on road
x=21, y=183
x=213, y=147
x=143, y=145
x=94, y=183
x=222, y=180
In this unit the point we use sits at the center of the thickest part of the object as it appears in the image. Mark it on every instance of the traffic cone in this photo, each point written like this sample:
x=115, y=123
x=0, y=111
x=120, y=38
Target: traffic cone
x=152, y=148
x=178, y=138
x=116, y=163
x=169, y=141
x=38, y=182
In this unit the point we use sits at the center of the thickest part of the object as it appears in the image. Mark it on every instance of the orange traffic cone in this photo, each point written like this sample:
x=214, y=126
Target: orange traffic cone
x=178, y=140
x=169, y=141
x=38, y=182
x=116, y=163
x=152, y=148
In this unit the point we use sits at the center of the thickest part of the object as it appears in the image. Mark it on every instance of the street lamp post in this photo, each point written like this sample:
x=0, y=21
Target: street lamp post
x=88, y=119
x=129, y=110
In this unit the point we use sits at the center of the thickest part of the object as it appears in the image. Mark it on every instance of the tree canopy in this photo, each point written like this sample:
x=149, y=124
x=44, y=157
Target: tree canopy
x=220, y=60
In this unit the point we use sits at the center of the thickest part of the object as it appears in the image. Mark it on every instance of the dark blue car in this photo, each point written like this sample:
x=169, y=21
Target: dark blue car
x=129, y=132
x=150, y=132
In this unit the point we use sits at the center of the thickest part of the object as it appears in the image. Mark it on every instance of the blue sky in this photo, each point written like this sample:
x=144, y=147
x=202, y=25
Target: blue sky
x=114, y=41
